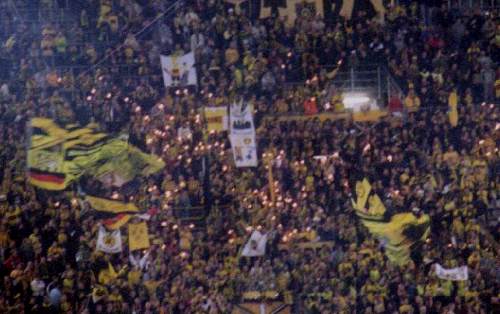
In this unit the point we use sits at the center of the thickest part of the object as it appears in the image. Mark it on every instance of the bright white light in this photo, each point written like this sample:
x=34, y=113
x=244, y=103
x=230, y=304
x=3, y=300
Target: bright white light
x=359, y=102
x=354, y=101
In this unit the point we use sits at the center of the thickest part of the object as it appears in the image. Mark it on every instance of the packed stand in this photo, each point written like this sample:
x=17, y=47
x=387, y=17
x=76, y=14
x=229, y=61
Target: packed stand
x=73, y=72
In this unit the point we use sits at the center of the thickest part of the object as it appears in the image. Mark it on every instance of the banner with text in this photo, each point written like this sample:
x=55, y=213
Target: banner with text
x=242, y=135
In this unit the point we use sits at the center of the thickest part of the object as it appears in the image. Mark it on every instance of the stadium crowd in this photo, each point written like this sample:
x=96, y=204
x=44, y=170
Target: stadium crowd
x=95, y=70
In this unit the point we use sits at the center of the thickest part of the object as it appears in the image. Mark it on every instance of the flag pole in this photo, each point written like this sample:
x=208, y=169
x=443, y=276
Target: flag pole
x=270, y=177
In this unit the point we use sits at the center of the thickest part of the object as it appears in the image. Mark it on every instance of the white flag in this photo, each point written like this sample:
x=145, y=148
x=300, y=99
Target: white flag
x=455, y=274
x=141, y=263
x=109, y=242
x=178, y=70
x=256, y=245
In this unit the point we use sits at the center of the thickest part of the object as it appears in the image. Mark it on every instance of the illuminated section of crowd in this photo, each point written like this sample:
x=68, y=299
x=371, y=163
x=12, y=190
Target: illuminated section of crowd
x=73, y=72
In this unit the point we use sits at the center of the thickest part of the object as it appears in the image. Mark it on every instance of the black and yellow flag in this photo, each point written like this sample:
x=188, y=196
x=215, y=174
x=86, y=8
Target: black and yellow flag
x=58, y=156
x=400, y=234
x=98, y=293
x=363, y=189
x=110, y=206
x=107, y=275
x=138, y=237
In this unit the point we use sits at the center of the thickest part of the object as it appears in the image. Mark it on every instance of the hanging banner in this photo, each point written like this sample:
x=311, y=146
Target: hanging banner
x=241, y=119
x=179, y=70
x=454, y=274
x=242, y=135
x=244, y=150
x=216, y=118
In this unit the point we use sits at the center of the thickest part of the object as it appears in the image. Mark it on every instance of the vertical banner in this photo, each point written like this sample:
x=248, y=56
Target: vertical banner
x=244, y=150
x=179, y=70
x=138, y=236
x=242, y=135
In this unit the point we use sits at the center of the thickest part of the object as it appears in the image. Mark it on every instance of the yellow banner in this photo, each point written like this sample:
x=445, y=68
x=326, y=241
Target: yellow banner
x=110, y=206
x=138, y=237
x=216, y=118
x=58, y=156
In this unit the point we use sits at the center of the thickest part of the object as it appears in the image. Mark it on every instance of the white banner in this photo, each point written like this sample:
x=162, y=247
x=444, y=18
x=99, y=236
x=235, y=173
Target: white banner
x=242, y=135
x=241, y=119
x=256, y=245
x=178, y=70
x=244, y=150
x=109, y=242
x=455, y=274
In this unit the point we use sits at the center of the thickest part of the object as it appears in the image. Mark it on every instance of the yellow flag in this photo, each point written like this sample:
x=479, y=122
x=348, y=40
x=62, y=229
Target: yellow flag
x=152, y=285
x=453, y=116
x=134, y=277
x=106, y=276
x=453, y=111
x=400, y=233
x=363, y=189
x=138, y=237
x=376, y=207
x=99, y=292
x=453, y=99
x=216, y=118
x=110, y=206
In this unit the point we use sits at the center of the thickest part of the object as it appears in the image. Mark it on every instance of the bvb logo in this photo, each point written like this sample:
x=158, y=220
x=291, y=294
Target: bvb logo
x=109, y=240
x=247, y=141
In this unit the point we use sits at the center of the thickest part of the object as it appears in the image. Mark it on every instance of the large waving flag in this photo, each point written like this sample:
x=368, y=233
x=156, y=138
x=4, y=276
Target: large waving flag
x=399, y=233
x=58, y=156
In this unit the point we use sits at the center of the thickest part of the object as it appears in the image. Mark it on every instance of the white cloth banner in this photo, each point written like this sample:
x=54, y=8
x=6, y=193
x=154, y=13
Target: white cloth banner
x=455, y=274
x=241, y=119
x=256, y=245
x=242, y=135
x=109, y=242
x=178, y=70
x=244, y=150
